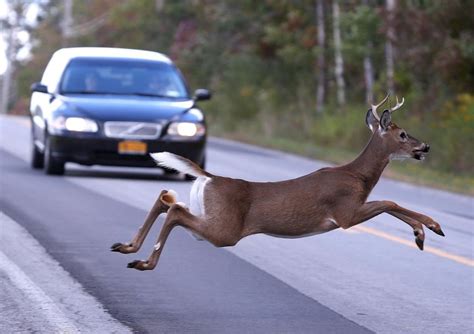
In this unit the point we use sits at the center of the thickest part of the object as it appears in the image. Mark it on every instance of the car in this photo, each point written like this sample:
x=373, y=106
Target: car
x=113, y=106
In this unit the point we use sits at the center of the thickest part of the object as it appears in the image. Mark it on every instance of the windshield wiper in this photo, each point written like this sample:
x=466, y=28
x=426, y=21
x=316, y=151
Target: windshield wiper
x=153, y=95
x=158, y=95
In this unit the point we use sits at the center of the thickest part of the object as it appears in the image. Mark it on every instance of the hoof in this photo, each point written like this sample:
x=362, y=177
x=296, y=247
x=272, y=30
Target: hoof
x=123, y=248
x=419, y=243
x=139, y=265
x=116, y=247
x=133, y=264
x=437, y=230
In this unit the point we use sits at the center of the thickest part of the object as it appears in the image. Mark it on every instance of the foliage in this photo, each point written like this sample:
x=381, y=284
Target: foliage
x=258, y=57
x=453, y=132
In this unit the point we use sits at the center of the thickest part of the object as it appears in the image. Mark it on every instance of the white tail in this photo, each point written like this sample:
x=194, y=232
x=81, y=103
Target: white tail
x=173, y=161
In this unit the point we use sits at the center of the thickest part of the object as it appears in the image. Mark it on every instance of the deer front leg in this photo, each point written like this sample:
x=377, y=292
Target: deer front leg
x=162, y=204
x=425, y=220
x=417, y=227
x=372, y=209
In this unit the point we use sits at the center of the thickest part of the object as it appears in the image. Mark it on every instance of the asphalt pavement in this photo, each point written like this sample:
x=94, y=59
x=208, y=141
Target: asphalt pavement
x=370, y=278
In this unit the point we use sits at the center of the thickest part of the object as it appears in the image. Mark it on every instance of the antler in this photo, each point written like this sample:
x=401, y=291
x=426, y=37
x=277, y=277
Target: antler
x=374, y=107
x=398, y=105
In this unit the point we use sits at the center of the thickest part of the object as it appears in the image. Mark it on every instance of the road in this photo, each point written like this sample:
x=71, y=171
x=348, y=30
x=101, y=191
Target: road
x=370, y=278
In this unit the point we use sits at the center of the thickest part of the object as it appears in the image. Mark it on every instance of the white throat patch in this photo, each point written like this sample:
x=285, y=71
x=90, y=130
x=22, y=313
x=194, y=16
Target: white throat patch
x=395, y=156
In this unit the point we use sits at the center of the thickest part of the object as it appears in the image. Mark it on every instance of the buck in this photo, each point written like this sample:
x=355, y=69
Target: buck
x=224, y=210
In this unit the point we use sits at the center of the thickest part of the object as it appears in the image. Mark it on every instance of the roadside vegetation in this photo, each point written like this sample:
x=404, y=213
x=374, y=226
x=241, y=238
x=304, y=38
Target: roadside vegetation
x=297, y=75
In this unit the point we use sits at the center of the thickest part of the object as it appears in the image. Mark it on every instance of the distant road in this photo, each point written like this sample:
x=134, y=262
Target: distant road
x=369, y=278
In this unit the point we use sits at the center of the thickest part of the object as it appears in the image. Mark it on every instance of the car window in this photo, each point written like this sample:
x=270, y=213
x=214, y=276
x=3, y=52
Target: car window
x=120, y=76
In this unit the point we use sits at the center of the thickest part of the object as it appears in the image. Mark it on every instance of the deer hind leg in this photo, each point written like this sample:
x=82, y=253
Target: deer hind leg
x=162, y=204
x=179, y=215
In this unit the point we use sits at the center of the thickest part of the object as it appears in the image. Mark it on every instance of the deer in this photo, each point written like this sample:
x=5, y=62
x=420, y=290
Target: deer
x=224, y=210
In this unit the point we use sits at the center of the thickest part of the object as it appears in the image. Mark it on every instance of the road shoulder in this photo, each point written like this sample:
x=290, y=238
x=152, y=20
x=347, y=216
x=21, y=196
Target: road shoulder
x=40, y=296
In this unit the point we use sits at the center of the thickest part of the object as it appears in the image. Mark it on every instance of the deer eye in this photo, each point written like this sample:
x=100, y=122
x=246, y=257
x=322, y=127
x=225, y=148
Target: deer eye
x=403, y=135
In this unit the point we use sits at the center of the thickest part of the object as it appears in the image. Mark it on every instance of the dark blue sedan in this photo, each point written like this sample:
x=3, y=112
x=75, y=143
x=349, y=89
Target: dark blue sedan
x=111, y=106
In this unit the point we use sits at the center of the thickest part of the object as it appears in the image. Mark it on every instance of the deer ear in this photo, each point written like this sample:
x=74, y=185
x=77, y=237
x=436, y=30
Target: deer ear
x=385, y=120
x=371, y=121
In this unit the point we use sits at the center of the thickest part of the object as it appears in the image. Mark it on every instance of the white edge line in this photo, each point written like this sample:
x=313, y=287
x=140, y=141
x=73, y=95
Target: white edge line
x=43, y=303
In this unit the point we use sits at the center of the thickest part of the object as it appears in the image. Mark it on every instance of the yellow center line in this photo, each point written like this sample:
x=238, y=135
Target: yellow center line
x=457, y=258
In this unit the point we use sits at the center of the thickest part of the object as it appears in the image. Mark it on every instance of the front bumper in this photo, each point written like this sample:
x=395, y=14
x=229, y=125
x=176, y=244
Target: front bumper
x=104, y=151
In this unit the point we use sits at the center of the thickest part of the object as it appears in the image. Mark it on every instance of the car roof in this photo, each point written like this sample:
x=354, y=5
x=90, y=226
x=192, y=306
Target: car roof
x=99, y=52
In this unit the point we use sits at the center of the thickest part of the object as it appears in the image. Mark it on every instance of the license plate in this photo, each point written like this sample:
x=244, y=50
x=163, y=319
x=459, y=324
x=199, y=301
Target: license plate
x=132, y=147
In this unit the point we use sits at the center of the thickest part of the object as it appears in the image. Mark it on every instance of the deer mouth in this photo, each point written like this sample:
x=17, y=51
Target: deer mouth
x=419, y=154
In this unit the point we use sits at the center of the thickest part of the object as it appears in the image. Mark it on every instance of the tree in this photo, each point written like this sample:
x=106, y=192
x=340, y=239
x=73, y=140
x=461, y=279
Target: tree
x=321, y=58
x=339, y=61
x=389, y=53
x=14, y=23
x=12, y=50
x=369, y=75
x=362, y=43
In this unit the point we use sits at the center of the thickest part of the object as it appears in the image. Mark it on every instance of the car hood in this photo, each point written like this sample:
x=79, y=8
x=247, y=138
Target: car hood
x=123, y=108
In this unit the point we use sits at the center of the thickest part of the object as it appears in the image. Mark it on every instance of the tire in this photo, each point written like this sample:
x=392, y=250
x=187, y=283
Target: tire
x=52, y=166
x=36, y=157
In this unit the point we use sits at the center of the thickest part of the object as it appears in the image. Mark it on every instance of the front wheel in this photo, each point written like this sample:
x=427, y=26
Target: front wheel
x=36, y=157
x=52, y=166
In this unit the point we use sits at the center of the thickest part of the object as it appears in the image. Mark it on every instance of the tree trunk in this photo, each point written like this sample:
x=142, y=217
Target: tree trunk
x=8, y=75
x=66, y=25
x=339, y=61
x=368, y=68
x=159, y=5
x=368, y=75
x=321, y=61
x=389, y=54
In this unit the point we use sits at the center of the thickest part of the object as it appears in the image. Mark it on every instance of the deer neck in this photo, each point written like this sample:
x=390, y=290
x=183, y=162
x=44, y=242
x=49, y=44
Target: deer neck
x=371, y=162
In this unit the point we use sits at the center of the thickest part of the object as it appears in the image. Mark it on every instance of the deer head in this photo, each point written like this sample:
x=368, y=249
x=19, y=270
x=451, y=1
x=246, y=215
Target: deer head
x=395, y=140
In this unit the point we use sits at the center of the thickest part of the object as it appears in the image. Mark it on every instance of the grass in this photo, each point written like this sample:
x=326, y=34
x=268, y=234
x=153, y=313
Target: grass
x=408, y=171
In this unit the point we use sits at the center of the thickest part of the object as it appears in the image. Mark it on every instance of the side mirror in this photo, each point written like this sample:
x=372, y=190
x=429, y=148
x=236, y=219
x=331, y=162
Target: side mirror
x=38, y=87
x=202, y=95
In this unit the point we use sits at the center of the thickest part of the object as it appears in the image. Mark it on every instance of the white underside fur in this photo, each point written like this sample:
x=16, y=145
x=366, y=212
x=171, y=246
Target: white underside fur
x=197, y=207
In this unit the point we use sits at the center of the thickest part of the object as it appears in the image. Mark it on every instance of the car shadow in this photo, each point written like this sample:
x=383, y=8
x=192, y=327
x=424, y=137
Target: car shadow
x=125, y=173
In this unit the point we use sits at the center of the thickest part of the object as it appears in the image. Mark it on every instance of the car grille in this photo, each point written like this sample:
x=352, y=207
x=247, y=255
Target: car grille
x=132, y=130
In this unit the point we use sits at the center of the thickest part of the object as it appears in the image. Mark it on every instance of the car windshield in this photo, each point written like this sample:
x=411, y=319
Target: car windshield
x=123, y=77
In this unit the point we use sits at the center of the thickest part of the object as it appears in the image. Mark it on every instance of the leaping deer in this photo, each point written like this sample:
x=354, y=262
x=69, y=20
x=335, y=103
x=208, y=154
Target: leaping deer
x=224, y=210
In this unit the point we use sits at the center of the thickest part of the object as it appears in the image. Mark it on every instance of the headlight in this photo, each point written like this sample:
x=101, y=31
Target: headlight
x=77, y=124
x=186, y=129
x=81, y=124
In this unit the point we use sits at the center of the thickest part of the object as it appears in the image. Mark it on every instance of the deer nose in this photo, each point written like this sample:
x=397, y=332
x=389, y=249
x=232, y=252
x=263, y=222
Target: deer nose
x=426, y=148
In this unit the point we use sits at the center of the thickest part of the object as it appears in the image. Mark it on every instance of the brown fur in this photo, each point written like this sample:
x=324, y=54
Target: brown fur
x=315, y=203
